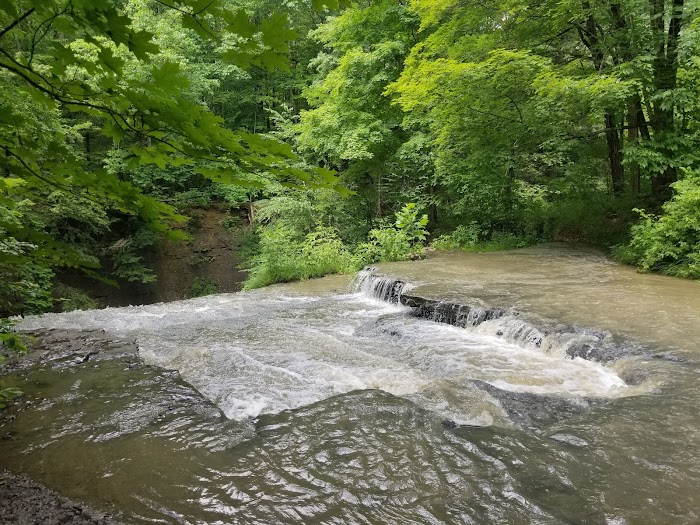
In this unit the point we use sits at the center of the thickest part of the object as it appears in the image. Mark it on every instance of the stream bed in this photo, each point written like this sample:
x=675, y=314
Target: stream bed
x=544, y=385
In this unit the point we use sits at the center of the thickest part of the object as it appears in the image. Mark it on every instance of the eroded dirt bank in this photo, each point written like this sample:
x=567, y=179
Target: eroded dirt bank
x=209, y=262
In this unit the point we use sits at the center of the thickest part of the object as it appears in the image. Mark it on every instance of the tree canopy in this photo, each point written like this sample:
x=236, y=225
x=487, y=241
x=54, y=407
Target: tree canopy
x=506, y=122
x=132, y=78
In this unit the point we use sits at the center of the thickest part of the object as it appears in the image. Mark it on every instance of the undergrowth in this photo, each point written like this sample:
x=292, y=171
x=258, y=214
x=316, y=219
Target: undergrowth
x=668, y=243
x=294, y=249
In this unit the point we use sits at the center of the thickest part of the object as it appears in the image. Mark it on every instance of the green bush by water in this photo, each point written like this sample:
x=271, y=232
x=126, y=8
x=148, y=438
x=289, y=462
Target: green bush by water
x=471, y=238
x=283, y=256
x=285, y=252
x=669, y=243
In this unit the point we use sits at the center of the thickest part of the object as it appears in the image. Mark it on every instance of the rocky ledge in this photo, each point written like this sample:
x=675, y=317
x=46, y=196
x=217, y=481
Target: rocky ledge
x=24, y=502
x=164, y=397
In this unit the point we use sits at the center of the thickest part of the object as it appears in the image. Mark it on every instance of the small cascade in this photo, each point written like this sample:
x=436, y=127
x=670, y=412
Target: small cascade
x=379, y=286
x=570, y=342
x=462, y=315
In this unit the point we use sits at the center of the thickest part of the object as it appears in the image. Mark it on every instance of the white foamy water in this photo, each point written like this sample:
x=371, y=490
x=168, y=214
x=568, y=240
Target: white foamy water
x=254, y=353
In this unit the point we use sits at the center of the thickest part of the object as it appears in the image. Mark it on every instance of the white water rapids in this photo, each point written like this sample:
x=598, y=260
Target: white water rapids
x=344, y=409
x=263, y=352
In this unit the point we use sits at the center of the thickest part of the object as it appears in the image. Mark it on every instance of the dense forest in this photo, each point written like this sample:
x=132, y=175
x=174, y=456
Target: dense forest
x=349, y=132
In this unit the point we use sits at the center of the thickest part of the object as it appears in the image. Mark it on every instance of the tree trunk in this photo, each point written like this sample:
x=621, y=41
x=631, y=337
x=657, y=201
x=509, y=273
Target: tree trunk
x=612, y=137
x=638, y=131
x=633, y=137
x=590, y=35
x=432, y=208
x=665, y=79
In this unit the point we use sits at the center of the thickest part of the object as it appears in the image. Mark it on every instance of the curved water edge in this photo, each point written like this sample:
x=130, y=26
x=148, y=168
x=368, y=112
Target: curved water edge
x=508, y=323
x=345, y=408
x=571, y=286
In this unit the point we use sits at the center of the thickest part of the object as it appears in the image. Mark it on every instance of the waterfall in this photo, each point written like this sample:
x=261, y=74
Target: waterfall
x=570, y=342
x=379, y=286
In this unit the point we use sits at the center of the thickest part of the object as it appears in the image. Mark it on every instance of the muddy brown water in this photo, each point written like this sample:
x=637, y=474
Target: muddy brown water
x=326, y=404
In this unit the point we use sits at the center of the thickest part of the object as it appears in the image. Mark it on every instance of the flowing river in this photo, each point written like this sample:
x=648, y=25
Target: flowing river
x=546, y=385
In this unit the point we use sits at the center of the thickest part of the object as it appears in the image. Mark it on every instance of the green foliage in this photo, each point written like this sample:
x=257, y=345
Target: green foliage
x=464, y=236
x=295, y=243
x=11, y=342
x=669, y=243
x=352, y=125
x=471, y=238
x=26, y=289
x=8, y=339
x=508, y=119
x=400, y=242
x=296, y=211
x=127, y=261
x=385, y=244
x=596, y=218
x=70, y=299
x=285, y=256
x=202, y=286
x=407, y=221
x=7, y=394
x=109, y=117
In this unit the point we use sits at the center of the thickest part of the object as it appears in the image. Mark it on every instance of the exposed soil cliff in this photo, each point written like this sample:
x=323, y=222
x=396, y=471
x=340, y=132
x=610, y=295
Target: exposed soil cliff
x=207, y=263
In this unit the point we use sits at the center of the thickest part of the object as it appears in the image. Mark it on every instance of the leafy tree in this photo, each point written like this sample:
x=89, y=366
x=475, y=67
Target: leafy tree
x=75, y=74
x=353, y=126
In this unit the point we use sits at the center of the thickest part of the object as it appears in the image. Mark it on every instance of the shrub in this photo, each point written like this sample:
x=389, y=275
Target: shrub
x=283, y=256
x=408, y=222
x=323, y=253
x=68, y=299
x=470, y=237
x=25, y=289
x=464, y=236
x=385, y=244
x=669, y=243
x=400, y=242
x=202, y=286
x=286, y=251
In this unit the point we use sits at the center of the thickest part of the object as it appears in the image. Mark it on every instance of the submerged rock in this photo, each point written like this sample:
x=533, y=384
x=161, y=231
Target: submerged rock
x=569, y=440
x=92, y=388
x=537, y=410
x=70, y=348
